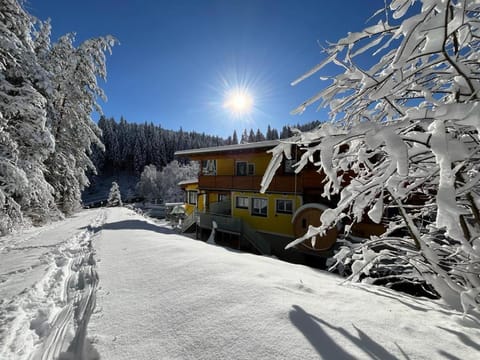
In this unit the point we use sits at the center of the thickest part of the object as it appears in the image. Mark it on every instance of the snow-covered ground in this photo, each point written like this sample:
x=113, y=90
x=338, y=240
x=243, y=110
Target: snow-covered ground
x=47, y=288
x=164, y=296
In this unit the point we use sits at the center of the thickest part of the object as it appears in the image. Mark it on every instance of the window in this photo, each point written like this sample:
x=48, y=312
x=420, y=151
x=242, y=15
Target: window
x=192, y=197
x=259, y=207
x=242, y=168
x=222, y=197
x=284, y=206
x=241, y=202
x=209, y=167
x=289, y=169
x=251, y=169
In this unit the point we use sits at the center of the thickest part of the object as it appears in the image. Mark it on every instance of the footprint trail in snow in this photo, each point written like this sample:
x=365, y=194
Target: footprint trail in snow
x=48, y=320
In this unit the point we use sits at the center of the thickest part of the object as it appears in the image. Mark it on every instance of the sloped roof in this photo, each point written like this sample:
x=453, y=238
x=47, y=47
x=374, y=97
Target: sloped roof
x=226, y=148
x=188, y=182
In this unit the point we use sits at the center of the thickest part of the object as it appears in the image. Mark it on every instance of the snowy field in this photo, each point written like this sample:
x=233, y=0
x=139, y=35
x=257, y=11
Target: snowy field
x=160, y=295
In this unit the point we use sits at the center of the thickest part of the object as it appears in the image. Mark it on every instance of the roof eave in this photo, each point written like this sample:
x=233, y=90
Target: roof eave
x=229, y=148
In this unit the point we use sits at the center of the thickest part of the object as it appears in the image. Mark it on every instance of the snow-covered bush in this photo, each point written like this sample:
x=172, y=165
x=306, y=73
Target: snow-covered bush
x=171, y=175
x=405, y=136
x=149, y=185
x=163, y=184
x=114, y=197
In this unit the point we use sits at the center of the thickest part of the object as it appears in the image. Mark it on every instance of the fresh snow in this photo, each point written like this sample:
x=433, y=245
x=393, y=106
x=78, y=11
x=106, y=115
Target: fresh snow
x=161, y=295
x=47, y=288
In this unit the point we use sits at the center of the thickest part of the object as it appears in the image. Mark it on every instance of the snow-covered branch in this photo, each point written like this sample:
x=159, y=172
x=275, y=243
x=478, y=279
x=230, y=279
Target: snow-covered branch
x=405, y=133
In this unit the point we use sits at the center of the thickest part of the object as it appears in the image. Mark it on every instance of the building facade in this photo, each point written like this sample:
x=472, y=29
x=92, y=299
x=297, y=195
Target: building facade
x=227, y=192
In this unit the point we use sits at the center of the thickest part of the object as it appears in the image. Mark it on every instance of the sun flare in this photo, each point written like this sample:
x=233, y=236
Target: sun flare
x=238, y=102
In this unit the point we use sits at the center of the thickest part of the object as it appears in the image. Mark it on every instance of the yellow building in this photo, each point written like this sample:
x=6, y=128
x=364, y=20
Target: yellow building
x=227, y=192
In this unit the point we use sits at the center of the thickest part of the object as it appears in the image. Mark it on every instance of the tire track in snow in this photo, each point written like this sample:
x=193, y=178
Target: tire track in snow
x=49, y=320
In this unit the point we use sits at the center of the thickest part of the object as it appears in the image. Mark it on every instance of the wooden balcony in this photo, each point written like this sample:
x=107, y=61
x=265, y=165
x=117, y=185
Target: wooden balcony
x=280, y=183
x=227, y=182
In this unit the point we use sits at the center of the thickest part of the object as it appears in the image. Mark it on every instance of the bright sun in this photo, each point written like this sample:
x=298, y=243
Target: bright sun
x=239, y=102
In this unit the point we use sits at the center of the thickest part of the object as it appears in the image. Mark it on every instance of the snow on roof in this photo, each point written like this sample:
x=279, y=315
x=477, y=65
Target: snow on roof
x=187, y=182
x=173, y=204
x=225, y=148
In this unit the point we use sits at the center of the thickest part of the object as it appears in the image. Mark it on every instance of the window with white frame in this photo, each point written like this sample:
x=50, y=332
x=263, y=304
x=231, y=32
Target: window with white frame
x=242, y=168
x=192, y=197
x=209, y=167
x=284, y=206
x=259, y=207
x=241, y=202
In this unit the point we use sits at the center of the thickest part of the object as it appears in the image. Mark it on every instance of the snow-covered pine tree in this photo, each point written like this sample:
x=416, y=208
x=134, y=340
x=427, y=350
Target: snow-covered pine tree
x=25, y=142
x=114, y=196
x=285, y=133
x=72, y=99
x=156, y=156
x=269, y=135
x=251, y=136
x=244, y=137
x=127, y=134
x=139, y=153
x=110, y=139
x=275, y=135
x=408, y=127
x=259, y=136
x=150, y=140
x=12, y=182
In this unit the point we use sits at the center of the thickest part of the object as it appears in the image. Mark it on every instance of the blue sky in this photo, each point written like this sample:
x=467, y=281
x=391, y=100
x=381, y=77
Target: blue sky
x=177, y=59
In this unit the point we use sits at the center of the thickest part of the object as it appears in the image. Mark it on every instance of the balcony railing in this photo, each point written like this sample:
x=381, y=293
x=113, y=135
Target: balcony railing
x=282, y=183
x=238, y=227
x=189, y=221
x=225, y=223
x=221, y=207
x=286, y=183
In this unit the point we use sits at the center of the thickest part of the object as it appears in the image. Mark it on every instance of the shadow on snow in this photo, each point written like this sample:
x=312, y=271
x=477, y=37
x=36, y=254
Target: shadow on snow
x=133, y=225
x=327, y=348
x=463, y=338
